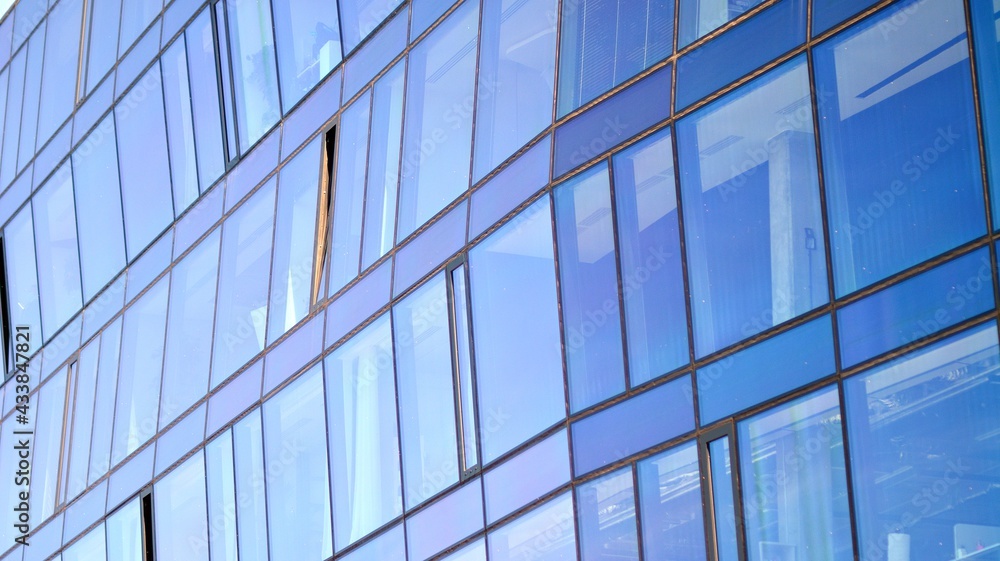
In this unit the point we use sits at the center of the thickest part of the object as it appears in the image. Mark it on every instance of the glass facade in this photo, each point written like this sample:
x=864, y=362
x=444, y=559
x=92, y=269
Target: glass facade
x=500, y=280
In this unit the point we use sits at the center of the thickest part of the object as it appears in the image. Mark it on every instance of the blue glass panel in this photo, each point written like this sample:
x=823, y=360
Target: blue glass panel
x=189, y=329
x=517, y=63
x=205, y=102
x=219, y=470
x=740, y=50
x=241, y=316
x=506, y=190
x=181, y=438
x=606, y=42
x=650, y=254
x=430, y=248
x=62, y=54
x=145, y=180
x=136, y=16
x=234, y=398
x=670, y=503
x=12, y=121
x=445, y=522
x=180, y=126
x=527, y=476
x=56, y=251
x=383, y=166
x=358, y=303
x=104, y=406
x=476, y=551
x=918, y=307
x=827, y=13
x=136, y=60
x=986, y=38
x=255, y=78
x=148, y=266
x=426, y=392
x=723, y=507
x=787, y=361
x=518, y=363
x=297, y=350
x=437, y=142
x=104, y=307
x=26, y=14
x=139, y=376
x=389, y=546
x=98, y=205
x=466, y=393
x=205, y=213
x=426, y=12
x=543, y=534
x=589, y=284
x=699, y=17
x=308, y=42
x=252, y=169
x=180, y=512
x=92, y=109
x=612, y=122
x=130, y=476
x=294, y=240
x=251, y=514
x=84, y=512
x=364, y=443
x=80, y=420
x=6, y=38
x=124, y=533
x=370, y=59
x=19, y=247
x=917, y=191
x=46, y=449
x=32, y=95
x=924, y=451
x=102, y=52
x=794, y=480
x=314, y=112
x=295, y=428
x=752, y=219
x=51, y=155
x=225, y=78
x=605, y=511
x=175, y=15
x=91, y=547
x=358, y=18
x=349, y=194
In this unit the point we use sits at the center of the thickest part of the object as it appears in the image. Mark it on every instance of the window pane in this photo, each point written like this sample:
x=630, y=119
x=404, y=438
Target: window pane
x=446, y=521
x=605, y=510
x=103, y=43
x=463, y=356
x=32, y=85
x=604, y=43
x=251, y=514
x=349, y=195
x=752, y=218
x=383, y=165
x=914, y=190
x=62, y=55
x=437, y=141
x=124, y=529
x=308, y=42
x=517, y=63
x=180, y=125
x=670, y=502
x=474, y=552
x=525, y=477
x=180, y=512
x=241, y=316
x=698, y=17
x=81, y=414
x=47, y=447
x=294, y=429
x=364, y=446
x=294, y=240
x=136, y=16
x=255, y=77
x=589, y=285
x=12, y=122
x=104, y=406
x=205, y=103
x=56, y=246
x=426, y=391
x=91, y=547
x=722, y=504
x=189, y=329
x=139, y=378
x=650, y=254
x=221, y=483
x=544, y=534
x=359, y=17
x=145, y=179
x=924, y=451
x=98, y=208
x=518, y=363
x=987, y=42
x=19, y=247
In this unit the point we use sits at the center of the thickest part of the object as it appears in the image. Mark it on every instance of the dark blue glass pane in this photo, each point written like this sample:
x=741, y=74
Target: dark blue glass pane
x=307, y=36
x=740, y=50
x=546, y=533
x=383, y=166
x=606, y=42
x=670, y=505
x=753, y=223
x=986, y=37
x=589, y=284
x=649, y=242
x=723, y=506
x=519, y=364
x=370, y=59
x=517, y=62
x=446, y=522
x=612, y=122
x=787, y=361
x=916, y=308
x=527, y=476
x=205, y=103
x=255, y=78
x=349, y=194
x=828, y=13
x=667, y=411
x=899, y=133
x=699, y=17
x=924, y=451
x=56, y=250
x=358, y=18
x=506, y=190
x=605, y=512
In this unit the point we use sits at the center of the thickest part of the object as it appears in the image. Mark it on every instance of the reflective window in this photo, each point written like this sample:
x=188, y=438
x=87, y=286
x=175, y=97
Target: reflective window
x=189, y=329
x=753, y=225
x=241, y=316
x=446, y=521
x=915, y=190
x=80, y=420
x=358, y=18
x=294, y=240
x=527, y=476
x=251, y=513
x=136, y=16
x=12, y=122
x=437, y=142
x=19, y=249
x=605, y=42
x=349, y=194
x=699, y=17
x=294, y=429
x=139, y=377
x=650, y=255
x=426, y=391
x=255, y=78
x=104, y=405
x=589, y=284
x=987, y=43
x=46, y=452
x=463, y=364
x=205, y=102
x=605, y=510
x=518, y=363
x=383, y=165
x=145, y=181
x=124, y=530
x=32, y=95
x=474, y=552
x=924, y=452
x=308, y=43
x=56, y=251
x=723, y=504
x=517, y=62
x=98, y=208
x=91, y=547
x=364, y=446
x=101, y=27
x=794, y=482
x=221, y=484
x=62, y=54
x=670, y=505
x=180, y=125
x=546, y=534
x=180, y=513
